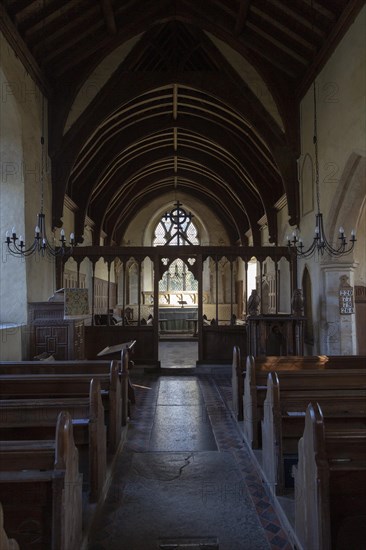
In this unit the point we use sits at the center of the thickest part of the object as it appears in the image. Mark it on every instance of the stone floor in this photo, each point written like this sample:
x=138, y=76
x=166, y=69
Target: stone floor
x=185, y=479
x=171, y=358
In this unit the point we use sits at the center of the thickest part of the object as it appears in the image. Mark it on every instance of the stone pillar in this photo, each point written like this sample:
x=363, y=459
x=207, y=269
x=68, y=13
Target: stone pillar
x=337, y=331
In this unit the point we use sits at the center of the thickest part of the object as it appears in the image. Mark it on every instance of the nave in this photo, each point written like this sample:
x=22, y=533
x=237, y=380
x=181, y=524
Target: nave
x=184, y=475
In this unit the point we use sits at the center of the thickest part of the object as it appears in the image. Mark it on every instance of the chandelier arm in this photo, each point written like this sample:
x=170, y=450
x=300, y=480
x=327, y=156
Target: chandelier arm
x=36, y=247
x=322, y=247
x=58, y=251
x=20, y=251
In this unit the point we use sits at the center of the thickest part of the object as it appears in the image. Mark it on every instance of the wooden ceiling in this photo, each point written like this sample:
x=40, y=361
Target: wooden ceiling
x=175, y=114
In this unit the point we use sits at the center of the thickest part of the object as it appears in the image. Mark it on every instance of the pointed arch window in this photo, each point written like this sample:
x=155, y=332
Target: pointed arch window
x=177, y=229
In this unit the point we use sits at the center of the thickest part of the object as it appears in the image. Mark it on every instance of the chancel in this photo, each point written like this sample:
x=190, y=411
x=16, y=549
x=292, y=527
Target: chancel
x=188, y=177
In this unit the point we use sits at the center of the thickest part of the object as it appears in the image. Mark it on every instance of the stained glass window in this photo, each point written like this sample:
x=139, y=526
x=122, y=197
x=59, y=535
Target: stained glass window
x=176, y=228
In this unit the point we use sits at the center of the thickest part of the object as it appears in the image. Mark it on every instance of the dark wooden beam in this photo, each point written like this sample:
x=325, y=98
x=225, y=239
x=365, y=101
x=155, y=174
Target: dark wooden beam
x=277, y=82
x=62, y=35
x=241, y=149
x=39, y=15
x=230, y=215
x=245, y=252
x=110, y=99
x=242, y=16
x=199, y=166
x=272, y=53
x=352, y=9
x=21, y=50
x=281, y=33
x=109, y=16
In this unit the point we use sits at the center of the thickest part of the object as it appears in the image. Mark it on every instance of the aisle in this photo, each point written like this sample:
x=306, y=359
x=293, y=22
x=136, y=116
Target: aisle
x=184, y=476
x=186, y=358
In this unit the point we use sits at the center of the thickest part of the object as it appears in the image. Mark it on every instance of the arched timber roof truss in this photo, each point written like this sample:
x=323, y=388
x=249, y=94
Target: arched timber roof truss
x=175, y=113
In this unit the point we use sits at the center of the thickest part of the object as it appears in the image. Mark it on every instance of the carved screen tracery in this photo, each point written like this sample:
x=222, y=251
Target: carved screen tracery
x=177, y=277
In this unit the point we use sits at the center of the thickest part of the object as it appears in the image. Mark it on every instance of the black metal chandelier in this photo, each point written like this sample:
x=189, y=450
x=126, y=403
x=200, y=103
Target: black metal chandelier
x=16, y=246
x=320, y=244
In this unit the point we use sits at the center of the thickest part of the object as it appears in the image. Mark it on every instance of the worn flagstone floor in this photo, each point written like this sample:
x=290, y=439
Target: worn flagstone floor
x=185, y=479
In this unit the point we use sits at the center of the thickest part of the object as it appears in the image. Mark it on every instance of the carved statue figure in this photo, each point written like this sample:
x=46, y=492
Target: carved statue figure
x=297, y=303
x=254, y=303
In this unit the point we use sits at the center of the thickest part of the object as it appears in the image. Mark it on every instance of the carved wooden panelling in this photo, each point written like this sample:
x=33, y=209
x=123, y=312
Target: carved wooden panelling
x=218, y=343
x=360, y=293
x=53, y=340
x=275, y=335
x=51, y=334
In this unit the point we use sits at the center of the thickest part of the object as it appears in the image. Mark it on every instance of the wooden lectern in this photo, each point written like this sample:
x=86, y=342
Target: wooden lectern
x=117, y=349
x=124, y=351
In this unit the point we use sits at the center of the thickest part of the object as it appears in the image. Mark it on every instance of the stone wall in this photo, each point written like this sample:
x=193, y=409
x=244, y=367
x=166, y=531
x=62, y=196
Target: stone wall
x=340, y=89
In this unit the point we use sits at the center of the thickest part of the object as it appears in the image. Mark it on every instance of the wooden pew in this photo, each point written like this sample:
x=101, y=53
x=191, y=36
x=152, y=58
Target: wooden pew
x=330, y=486
x=284, y=419
x=5, y=542
x=127, y=391
x=35, y=386
x=41, y=489
x=80, y=367
x=125, y=351
x=299, y=362
x=56, y=367
x=35, y=418
x=307, y=378
x=246, y=377
x=260, y=366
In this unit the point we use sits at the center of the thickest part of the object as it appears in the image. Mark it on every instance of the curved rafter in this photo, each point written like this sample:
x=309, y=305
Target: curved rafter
x=195, y=151
x=199, y=118
x=176, y=86
x=113, y=102
x=210, y=185
x=221, y=211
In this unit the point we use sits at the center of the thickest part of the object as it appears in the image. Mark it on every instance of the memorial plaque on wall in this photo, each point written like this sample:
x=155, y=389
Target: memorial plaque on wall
x=346, y=297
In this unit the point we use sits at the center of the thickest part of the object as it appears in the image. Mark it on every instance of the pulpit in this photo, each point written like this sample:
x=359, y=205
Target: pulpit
x=51, y=333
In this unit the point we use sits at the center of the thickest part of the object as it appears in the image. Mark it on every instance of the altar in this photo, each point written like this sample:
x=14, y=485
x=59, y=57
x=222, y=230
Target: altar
x=177, y=319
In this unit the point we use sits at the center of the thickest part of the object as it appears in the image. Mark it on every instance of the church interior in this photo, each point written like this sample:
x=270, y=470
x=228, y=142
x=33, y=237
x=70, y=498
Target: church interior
x=183, y=274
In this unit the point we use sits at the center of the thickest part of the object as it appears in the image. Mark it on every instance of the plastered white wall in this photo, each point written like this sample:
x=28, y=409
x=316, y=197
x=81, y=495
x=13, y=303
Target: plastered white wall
x=20, y=123
x=340, y=93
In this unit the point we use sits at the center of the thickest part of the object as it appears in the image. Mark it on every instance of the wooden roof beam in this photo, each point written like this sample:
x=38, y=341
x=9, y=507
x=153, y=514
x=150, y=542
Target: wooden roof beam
x=109, y=17
x=38, y=15
x=21, y=50
x=321, y=9
x=339, y=29
x=30, y=11
x=277, y=25
x=279, y=8
x=270, y=37
x=242, y=16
